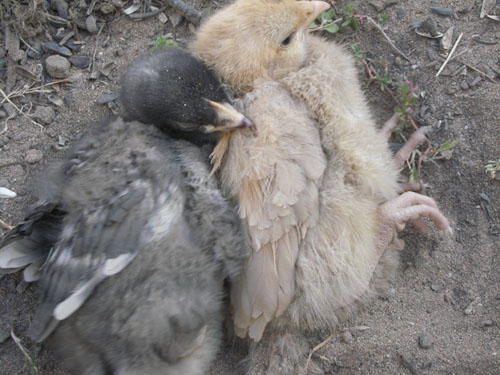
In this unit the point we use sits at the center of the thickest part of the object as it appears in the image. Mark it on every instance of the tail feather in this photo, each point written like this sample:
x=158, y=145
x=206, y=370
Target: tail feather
x=31, y=240
x=21, y=253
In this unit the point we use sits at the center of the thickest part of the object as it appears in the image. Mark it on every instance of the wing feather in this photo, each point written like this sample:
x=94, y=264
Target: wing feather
x=278, y=202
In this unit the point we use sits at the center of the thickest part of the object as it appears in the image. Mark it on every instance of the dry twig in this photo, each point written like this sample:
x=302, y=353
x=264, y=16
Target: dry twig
x=192, y=15
x=393, y=46
x=316, y=348
x=449, y=56
x=5, y=225
x=19, y=110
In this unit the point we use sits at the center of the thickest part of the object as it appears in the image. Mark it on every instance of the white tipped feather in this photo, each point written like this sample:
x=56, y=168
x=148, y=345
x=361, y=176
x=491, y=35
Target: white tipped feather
x=115, y=265
x=75, y=300
x=6, y=193
x=33, y=271
x=18, y=254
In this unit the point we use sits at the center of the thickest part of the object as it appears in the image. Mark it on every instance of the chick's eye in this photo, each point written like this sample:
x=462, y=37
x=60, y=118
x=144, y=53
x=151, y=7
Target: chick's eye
x=287, y=40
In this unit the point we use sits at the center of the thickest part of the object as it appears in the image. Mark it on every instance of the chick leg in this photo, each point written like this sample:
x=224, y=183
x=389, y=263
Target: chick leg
x=416, y=138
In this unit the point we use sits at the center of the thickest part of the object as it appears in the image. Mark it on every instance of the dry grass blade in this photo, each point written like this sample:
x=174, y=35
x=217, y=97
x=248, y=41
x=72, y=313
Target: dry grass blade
x=449, y=56
x=17, y=340
x=6, y=97
x=316, y=348
x=393, y=46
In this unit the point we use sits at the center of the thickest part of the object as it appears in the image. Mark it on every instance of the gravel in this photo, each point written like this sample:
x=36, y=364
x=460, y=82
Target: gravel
x=33, y=156
x=44, y=114
x=425, y=341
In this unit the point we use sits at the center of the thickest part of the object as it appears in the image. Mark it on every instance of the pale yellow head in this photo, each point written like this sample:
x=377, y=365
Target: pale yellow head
x=254, y=39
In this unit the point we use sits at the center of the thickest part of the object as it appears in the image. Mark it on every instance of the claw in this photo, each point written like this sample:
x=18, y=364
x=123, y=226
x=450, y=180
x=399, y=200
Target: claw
x=408, y=207
x=389, y=126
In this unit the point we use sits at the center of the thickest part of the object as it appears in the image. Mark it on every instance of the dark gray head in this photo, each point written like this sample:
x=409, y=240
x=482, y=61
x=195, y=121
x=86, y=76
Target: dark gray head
x=176, y=92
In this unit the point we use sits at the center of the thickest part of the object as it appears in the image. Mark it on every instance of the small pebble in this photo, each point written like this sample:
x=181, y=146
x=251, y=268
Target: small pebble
x=33, y=156
x=10, y=110
x=398, y=61
x=380, y=5
x=57, y=66
x=44, y=114
x=452, y=91
x=91, y=25
x=7, y=193
x=3, y=115
x=35, y=55
x=486, y=323
x=464, y=85
x=470, y=307
x=73, y=46
x=425, y=341
x=68, y=100
x=388, y=294
x=81, y=62
x=107, y=98
x=347, y=337
x=445, y=12
x=475, y=81
x=436, y=287
x=4, y=182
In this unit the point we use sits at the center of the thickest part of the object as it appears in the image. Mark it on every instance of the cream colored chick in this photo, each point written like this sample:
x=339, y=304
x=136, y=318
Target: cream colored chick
x=350, y=252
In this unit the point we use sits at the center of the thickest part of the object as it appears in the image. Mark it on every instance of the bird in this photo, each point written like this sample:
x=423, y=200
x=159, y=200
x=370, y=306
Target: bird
x=351, y=249
x=140, y=236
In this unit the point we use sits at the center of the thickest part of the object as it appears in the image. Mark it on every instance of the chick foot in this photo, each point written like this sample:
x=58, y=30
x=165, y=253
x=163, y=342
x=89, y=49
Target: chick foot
x=416, y=138
x=409, y=206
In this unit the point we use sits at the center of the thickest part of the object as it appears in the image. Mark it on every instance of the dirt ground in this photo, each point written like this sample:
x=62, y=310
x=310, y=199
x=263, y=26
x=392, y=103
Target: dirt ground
x=446, y=296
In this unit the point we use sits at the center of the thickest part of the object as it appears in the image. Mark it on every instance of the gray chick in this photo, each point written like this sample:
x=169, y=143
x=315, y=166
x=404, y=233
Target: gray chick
x=141, y=238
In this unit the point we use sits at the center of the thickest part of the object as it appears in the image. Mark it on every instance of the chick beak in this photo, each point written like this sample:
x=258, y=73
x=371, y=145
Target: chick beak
x=313, y=9
x=229, y=118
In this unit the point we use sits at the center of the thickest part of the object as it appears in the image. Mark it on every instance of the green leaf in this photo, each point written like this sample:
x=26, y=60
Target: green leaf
x=332, y=28
x=346, y=23
x=313, y=25
x=328, y=15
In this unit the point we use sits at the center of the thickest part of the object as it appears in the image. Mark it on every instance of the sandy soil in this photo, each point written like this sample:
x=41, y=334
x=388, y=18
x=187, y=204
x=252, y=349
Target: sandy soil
x=446, y=291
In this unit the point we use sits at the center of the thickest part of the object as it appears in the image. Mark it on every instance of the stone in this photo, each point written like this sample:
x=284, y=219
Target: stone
x=347, y=337
x=380, y=5
x=436, y=287
x=4, y=182
x=44, y=114
x=81, y=62
x=57, y=66
x=33, y=156
x=10, y=110
x=425, y=341
x=91, y=25
x=475, y=81
x=464, y=85
x=3, y=115
x=486, y=323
